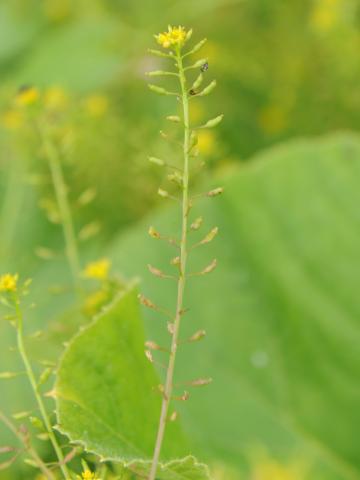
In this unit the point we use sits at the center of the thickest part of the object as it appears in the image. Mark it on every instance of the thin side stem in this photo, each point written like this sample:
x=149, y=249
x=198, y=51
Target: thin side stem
x=64, y=208
x=168, y=389
x=37, y=394
x=29, y=448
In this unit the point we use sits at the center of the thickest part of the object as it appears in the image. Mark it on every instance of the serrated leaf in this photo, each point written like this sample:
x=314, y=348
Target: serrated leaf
x=105, y=389
x=187, y=468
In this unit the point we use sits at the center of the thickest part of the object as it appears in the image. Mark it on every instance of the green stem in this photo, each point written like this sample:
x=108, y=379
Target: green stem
x=168, y=389
x=37, y=394
x=64, y=207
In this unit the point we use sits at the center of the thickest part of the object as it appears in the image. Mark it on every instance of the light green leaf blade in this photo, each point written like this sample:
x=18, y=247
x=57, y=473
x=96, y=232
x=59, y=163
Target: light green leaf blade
x=107, y=397
x=282, y=311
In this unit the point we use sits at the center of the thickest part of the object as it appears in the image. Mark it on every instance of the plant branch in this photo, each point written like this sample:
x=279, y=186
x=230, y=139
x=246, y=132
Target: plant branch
x=62, y=200
x=35, y=388
x=168, y=388
x=28, y=447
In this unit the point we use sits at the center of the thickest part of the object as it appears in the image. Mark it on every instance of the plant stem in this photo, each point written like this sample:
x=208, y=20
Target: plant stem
x=28, y=447
x=35, y=388
x=168, y=389
x=64, y=207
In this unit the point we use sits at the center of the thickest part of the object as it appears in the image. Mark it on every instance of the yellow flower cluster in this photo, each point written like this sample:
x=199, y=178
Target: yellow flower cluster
x=27, y=95
x=174, y=36
x=8, y=282
x=98, y=270
x=87, y=475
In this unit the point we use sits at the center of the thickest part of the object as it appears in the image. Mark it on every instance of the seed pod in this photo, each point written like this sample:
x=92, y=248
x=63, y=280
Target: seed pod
x=199, y=335
x=188, y=35
x=210, y=236
x=197, y=82
x=158, y=53
x=159, y=90
x=213, y=122
x=157, y=161
x=7, y=375
x=163, y=193
x=37, y=423
x=193, y=140
x=208, y=89
x=45, y=376
x=152, y=345
x=159, y=73
x=149, y=356
x=153, y=233
x=196, y=223
x=201, y=382
x=215, y=192
x=173, y=118
x=197, y=64
x=197, y=47
x=209, y=268
x=145, y=301
x=87, y=196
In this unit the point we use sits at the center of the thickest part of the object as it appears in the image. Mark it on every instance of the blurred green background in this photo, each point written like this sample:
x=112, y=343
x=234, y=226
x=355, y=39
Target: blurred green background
x=286, y=70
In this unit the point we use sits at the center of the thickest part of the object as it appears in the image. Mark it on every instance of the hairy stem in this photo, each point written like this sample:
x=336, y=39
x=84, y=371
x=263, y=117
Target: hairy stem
x=37, y=394
x=64, y=208
x=168, y=388
x=28, y=447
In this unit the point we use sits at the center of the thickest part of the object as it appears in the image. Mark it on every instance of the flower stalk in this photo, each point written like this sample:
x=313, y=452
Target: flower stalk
x=35, y=387
x=168, y=388
x=62, y=200
x=175, y=38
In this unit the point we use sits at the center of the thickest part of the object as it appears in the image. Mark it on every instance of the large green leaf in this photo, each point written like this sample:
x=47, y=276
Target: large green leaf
x=282, y=311
x=107, y=396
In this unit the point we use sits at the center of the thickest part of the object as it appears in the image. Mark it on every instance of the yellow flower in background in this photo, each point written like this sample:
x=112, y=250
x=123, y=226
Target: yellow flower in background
x=8, y=282
x=55, y=98
x=174, y=36
x=96, y=105
x=98, y=270
x=57, y=10
x=12, y=119
x=325, y=15
x=206, y=142
x=27, y=95
x=272, y=470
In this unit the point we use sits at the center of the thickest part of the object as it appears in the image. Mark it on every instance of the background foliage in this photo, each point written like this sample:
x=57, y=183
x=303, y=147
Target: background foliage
x=283, y=328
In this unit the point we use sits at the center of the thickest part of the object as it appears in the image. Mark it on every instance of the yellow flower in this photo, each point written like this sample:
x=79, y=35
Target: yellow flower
x=27, y=95
x=55, y=98
x=96, y=105
x=88, y=475
x=174, y=36
x=98, y=270
x=12, y=119
x=206, y=142
x=8, y=282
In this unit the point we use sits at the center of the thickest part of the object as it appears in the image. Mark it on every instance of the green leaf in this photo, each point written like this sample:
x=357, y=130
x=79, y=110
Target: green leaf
x=187, y=468
x=281, y=312
x=107, y=397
